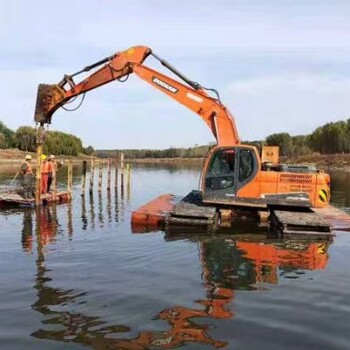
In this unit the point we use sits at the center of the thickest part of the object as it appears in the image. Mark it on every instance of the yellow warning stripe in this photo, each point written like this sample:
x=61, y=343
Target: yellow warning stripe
x=323, y=195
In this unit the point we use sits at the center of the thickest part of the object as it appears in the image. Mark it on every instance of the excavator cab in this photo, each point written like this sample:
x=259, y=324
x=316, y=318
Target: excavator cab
x=228, y=169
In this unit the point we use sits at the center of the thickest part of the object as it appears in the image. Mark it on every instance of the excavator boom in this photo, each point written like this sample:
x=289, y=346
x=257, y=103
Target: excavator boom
x=118, y=67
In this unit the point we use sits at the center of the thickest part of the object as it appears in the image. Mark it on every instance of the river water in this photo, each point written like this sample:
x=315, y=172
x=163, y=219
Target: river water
x=75, y=276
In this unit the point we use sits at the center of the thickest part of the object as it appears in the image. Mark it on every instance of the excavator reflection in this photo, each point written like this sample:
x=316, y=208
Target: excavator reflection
x=228, y=264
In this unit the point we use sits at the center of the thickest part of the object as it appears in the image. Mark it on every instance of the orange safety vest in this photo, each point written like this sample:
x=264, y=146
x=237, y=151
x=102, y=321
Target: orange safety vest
x=28, y=169
x=51, y=167
x=45, y=167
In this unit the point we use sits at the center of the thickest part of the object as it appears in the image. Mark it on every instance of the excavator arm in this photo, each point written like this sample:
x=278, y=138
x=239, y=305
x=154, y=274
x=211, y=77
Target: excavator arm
x=118, y=67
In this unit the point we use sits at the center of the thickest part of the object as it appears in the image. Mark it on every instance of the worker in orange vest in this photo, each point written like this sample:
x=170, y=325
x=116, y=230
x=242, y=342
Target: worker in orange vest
x=52, y=171
x=26, y=176
x=44, y=173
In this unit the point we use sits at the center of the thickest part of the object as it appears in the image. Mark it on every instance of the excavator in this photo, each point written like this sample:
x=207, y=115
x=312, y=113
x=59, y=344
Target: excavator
x=234, y=174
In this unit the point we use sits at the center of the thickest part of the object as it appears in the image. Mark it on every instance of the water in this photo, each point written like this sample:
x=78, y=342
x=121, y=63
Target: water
x=74, y=276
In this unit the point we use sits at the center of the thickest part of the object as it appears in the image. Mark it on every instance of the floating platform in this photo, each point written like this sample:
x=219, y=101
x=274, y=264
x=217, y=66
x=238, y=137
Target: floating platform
x=151, y=216
x=15, y=200
x=196, y=212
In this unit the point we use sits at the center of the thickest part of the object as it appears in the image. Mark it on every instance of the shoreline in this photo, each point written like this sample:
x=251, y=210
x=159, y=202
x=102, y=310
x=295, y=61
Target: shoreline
x=329, y=162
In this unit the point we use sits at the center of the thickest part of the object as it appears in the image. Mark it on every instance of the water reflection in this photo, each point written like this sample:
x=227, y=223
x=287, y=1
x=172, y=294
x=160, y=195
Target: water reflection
x=109, y=206
x=116, y=206
x=246, y=262
x=92, y=211
x=69, y=219
x=84, y=218
x=48, y=297
x=100, y=209
x=27, y=231
x=228, y=264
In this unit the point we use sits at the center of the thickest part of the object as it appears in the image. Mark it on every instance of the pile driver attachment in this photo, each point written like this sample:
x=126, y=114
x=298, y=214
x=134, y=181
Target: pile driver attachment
x=47, y=96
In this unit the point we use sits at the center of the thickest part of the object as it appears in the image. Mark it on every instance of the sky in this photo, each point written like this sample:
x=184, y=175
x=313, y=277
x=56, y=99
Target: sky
x=279, y=65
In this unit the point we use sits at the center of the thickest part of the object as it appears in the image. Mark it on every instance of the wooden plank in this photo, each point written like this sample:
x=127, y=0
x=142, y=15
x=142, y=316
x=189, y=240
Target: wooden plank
x=188, y=221
x=301, y=218
x=193, y=210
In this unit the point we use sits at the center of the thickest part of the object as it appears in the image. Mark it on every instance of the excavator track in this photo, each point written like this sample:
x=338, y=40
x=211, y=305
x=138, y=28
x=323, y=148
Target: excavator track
x=296, y=221
x=299, y=224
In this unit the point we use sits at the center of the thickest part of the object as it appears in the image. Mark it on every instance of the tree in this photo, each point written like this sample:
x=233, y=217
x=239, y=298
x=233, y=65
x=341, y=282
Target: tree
x=283, y=140
x=8, y=135
x=89, y=150
x=56, y=142
x=25, y=139
x=2, y=141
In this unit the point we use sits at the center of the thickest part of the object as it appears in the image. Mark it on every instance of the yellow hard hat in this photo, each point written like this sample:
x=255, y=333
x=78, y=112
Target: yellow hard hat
x=28, y=157
x=43, y=157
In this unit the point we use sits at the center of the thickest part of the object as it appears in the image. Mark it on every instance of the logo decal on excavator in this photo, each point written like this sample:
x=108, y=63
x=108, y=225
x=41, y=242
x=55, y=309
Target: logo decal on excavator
x=165, y=85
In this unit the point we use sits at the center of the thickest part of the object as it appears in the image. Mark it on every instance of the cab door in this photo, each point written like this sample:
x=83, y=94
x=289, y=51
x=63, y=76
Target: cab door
x=220, y=178
x=229, y=170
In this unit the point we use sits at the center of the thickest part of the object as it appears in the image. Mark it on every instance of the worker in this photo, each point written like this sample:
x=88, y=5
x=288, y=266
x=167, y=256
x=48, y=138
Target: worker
x=52, y=167
x=44, y=173
x=26, y=176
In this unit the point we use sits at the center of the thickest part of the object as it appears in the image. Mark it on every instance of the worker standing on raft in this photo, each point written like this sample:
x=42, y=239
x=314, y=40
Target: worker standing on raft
x=26, y=176
x=54, y=166
x=51, y=171
x=45, y=167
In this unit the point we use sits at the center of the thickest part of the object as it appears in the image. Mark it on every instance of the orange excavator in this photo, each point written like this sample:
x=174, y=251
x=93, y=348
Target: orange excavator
x=233, y=173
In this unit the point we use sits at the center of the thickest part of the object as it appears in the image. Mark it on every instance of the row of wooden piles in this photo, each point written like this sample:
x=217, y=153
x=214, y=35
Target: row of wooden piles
x=117, y=164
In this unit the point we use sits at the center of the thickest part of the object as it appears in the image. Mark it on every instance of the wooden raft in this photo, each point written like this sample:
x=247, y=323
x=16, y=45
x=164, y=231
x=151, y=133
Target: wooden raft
x=14, y=199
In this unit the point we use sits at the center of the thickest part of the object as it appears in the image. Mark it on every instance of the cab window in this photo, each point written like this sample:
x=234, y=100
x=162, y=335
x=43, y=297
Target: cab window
x=246, y=164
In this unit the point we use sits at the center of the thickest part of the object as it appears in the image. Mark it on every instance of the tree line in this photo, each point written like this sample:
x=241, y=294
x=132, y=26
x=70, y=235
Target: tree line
x=330, y=138
x=172, y=152
x=56, y=142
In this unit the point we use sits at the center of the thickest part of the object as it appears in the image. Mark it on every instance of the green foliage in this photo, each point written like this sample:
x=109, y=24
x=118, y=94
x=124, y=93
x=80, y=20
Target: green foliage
x=283, y=140
x=88, y=150
x=24, y=139
x=56, y=142
x=2, y=141
x=331, y=138
x=8, y=136
x=289, y=145
x=192, y=152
